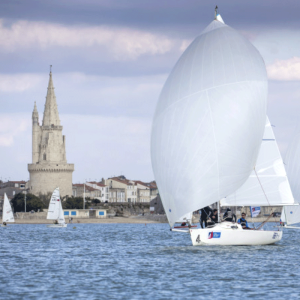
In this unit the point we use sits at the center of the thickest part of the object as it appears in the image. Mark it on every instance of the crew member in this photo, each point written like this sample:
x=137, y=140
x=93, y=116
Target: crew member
x=243, y=221
x=206, y=212
x=229, y=216
x=214, y=217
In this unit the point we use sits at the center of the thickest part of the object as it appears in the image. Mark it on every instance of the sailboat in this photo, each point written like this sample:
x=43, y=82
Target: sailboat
x=7, y=213
x=208, y=129
x=185, y=221
x=55, y=211
x=290, y=215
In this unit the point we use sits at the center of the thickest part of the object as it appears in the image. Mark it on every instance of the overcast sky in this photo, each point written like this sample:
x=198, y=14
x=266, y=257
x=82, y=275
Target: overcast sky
x=110, y=60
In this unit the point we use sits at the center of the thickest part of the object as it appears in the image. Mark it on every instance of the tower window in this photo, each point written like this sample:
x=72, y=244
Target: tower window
x=44, y=156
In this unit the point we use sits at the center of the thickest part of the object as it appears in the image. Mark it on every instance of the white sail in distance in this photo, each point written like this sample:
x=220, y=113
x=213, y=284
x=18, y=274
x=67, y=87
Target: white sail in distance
x=268, y=184
x=55, y=211
x=209, y=121
x=7, y=213
x=291, y=214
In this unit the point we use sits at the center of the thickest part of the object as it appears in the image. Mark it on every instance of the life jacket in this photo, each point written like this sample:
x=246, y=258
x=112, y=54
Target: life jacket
x=243, y=222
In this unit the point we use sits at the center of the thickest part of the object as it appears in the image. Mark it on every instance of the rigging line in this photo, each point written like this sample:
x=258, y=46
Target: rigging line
x=267, y=201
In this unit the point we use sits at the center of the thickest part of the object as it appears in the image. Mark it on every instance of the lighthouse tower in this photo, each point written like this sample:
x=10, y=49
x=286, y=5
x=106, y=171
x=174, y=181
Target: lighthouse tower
x=49, y=168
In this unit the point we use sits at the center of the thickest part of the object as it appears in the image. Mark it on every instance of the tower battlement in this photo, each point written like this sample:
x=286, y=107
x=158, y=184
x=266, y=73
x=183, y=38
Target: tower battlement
x=49, y=168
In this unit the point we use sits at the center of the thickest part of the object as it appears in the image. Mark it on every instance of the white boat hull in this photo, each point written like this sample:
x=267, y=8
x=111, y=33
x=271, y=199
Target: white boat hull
x=231, y=234
x=57, y=225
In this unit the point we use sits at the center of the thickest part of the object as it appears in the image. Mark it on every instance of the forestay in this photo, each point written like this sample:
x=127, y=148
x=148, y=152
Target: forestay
x=7, y=213
x=209, y=121
x=269, y=185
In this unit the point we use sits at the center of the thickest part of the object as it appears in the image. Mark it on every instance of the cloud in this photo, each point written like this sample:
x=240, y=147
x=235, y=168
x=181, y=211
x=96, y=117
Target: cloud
x=286, y=70
x=122, y=43
x=77, y=92
x=19, y=82
x=12, y=127
x=99, y=146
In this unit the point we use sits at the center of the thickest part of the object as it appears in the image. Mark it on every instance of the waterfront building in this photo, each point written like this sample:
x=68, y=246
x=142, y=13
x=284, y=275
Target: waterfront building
x=125, y=190
x=49, y=168
x=93, y=190
x=100, y=186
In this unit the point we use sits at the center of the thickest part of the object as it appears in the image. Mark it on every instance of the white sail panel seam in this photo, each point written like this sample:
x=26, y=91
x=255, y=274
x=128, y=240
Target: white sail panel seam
x=206, y=90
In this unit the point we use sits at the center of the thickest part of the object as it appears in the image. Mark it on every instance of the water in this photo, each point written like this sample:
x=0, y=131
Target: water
x=137, y=261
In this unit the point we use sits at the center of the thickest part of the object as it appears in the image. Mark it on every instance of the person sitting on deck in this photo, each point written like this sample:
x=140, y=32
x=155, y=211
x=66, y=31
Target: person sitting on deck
x=206, y=212
x=4, y=224
x=229, y=216
x=243, y=221
x=55, y=222
x=214, y=217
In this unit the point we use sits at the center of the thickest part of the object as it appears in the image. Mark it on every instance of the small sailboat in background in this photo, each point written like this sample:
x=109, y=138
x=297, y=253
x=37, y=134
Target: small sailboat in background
x=207, y=131
x=7, y=213
x=290, y=214
x=185, y=221
x=55, y=211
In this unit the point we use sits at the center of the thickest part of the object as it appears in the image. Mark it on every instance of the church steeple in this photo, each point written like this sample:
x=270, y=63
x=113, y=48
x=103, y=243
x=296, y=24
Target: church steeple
x=35, y=115
x=51, y=116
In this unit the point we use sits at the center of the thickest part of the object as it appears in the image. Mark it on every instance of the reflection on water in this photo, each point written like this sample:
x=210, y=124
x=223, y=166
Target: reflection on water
x=134, y=261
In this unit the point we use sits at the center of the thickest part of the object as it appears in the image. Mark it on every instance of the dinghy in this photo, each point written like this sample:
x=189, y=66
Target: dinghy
x=7, y=213
x=207, y=131
x=55, y=211
x=185, y=221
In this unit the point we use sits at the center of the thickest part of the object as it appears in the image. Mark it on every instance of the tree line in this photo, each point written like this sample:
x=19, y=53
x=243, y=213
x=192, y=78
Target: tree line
x=39, y=203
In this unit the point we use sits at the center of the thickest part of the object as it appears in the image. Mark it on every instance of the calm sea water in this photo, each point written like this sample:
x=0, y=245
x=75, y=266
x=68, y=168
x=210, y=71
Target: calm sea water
x=137, y=261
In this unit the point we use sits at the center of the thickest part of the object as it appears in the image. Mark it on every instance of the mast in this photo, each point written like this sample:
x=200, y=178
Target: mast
x=216, y=12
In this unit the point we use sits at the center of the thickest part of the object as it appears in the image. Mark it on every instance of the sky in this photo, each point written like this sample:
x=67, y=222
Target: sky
x=110, y=60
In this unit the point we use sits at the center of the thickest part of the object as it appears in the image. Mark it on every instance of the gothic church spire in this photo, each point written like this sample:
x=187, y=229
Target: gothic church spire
x=51, y=116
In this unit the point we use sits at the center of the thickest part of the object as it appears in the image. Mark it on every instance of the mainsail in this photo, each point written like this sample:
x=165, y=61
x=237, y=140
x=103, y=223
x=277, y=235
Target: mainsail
x=291, y=214
x=209, y=121
x=7, y=213
x=268, y=183
x=55, y=211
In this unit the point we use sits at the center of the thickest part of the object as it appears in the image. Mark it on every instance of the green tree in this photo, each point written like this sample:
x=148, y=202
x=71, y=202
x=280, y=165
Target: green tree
x=75, y=203
x=32, y=203
x=45, y=198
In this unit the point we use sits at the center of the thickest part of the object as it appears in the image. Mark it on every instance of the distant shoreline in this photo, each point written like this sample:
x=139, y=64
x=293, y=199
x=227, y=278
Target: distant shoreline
x=121, y=220
x=114, y=220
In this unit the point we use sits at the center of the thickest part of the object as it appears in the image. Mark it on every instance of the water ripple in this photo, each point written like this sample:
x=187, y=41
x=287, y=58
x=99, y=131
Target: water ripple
x=134, y=261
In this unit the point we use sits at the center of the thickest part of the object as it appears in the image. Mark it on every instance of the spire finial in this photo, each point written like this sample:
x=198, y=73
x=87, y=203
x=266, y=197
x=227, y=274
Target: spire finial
x=50, y=68
x=216, y=11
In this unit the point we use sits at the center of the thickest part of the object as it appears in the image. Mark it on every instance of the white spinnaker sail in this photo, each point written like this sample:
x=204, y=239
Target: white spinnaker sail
x=271, y=180
x=291, y=214
x=7, y=213
x=209, y=121
x=54, y=206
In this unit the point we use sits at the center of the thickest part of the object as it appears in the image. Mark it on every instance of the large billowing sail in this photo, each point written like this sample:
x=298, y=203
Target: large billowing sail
x=291, y=214
x=7, y=213
x=55, y=211
x=209, y=121
x=270, y=186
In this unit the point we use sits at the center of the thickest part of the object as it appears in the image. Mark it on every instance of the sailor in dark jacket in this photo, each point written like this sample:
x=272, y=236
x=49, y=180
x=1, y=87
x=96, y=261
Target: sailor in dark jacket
x=206, y=212
x=229, y=216
x=214, y=217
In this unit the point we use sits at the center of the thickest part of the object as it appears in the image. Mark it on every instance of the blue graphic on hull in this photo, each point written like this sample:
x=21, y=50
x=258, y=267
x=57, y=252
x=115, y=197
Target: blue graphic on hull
x=214, y=235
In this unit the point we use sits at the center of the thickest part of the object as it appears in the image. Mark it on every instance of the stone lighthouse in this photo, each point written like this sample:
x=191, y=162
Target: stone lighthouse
x=49, y=168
